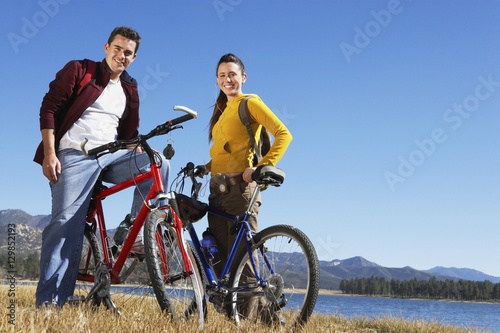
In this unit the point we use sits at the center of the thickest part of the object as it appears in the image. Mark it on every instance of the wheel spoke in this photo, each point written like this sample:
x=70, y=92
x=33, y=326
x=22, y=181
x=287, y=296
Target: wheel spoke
x=287, y=284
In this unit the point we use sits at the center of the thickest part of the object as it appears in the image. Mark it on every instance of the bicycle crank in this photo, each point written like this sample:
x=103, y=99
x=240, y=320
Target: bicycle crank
x=275, y=287
x=100, y=291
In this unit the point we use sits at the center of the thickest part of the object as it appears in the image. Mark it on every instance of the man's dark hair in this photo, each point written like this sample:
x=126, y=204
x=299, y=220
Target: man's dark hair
x=126, y=32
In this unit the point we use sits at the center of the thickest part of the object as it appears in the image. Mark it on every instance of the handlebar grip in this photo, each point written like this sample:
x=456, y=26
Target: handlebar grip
x=190, y=115
x=186, y=109
x=187, y=169
x=100, y=149
x=181, y=119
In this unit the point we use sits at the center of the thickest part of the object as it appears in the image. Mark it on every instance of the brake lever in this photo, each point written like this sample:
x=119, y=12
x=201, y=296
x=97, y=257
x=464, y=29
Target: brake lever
x=187, y=170
x=195, y=190
x=82, y=147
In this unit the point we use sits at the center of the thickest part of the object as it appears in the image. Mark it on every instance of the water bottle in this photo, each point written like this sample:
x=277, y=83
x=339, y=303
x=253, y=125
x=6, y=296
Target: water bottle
x=209, y=246
x=122, y=230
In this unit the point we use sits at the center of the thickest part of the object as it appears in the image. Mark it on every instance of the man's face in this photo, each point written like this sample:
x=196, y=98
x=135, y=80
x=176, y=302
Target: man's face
x=120, y=54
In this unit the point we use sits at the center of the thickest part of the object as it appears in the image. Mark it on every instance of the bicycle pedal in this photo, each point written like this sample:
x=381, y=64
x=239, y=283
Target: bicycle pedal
x=218, y=303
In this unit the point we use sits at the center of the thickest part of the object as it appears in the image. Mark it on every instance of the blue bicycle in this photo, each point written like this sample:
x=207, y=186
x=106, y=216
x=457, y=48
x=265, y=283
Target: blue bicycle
x=284, y=277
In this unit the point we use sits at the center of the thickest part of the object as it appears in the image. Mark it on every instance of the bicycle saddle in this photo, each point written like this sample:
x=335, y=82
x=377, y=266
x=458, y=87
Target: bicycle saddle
x=269, y=175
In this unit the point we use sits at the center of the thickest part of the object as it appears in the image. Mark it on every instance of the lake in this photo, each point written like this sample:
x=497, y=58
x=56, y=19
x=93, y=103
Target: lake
x=483, y=316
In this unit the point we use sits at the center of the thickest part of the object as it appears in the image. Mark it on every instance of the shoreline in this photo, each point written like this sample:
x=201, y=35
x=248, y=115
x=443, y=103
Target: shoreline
x=324, y=292
x=340, y=293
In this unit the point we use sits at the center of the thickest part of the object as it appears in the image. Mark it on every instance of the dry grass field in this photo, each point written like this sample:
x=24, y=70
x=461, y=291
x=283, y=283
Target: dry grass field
x=142, y=314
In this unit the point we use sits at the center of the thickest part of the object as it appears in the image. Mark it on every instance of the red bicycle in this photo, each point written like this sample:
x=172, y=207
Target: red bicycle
x=101, y=266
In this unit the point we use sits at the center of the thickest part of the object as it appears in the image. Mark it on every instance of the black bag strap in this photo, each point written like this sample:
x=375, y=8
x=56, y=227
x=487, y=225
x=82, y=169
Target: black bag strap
x=245, y=119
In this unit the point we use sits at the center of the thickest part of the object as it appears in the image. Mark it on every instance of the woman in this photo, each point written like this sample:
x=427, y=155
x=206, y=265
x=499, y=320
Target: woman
x=231, y=152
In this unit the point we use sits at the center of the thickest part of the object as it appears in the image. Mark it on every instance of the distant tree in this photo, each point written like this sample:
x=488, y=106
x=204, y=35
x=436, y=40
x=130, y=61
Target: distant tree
x=485, y=290
x=428, y=289
x=344, y=286
x=495, y=293
x=31, y=265
x=3, y=264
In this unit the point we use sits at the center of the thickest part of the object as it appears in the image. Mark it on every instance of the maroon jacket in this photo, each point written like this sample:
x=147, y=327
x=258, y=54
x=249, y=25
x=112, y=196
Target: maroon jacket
x=62, y=106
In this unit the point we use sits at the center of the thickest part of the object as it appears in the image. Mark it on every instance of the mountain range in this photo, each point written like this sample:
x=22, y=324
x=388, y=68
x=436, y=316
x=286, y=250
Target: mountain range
x=29, y=238
x=332, y=272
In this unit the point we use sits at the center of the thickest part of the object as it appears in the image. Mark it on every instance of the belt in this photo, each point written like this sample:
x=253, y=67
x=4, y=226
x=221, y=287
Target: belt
x=234, y=180
x=220, y=183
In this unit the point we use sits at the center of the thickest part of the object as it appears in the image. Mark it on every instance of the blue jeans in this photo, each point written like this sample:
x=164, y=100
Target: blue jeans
x=62, y=239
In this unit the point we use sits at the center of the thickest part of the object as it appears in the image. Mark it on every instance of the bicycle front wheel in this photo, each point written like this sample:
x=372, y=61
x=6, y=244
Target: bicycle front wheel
x=178, y=291
x=287, y=263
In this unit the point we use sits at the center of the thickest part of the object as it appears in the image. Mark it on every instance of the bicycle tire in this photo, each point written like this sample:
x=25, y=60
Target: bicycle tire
x=92, y=254
x=92, y=267
x=90, y=257
x=293, y=287
x=178, y=293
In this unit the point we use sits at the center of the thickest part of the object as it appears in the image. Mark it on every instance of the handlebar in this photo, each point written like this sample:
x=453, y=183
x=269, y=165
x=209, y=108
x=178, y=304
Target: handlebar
x=162, y=129
x=266, y=175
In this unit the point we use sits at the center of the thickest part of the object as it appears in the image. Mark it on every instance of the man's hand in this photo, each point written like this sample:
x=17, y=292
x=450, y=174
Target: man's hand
x=51, y=168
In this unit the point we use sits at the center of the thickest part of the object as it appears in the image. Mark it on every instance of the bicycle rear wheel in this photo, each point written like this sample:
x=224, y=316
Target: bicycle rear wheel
x=288, y=264
x=91, y=256
x=178, y=291
x=92, y=269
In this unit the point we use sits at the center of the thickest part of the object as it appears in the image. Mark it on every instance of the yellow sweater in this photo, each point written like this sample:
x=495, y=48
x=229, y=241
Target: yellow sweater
x=231, y=150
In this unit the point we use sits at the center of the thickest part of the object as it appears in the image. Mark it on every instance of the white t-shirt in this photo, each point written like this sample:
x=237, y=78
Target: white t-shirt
x=99, y=122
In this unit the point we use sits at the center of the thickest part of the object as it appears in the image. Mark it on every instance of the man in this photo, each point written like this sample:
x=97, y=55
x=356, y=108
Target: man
x=104, y=110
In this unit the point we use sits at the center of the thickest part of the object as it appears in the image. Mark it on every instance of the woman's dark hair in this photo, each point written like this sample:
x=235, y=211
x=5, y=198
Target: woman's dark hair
x=126, y=32
x=221, y=102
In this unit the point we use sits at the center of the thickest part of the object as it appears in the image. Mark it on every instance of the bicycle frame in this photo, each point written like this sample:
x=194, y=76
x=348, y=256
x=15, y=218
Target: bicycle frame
x=99, y=264
x=244, y=234
x=96, y=212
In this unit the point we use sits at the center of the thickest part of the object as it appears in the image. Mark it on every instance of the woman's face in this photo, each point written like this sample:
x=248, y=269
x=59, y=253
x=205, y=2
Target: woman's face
x=230, y=79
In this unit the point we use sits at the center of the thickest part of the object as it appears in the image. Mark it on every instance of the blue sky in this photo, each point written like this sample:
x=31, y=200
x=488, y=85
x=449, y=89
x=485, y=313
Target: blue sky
x=393, y=106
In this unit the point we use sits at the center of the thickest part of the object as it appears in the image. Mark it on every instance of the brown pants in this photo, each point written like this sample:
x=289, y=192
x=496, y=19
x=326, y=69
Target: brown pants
x=235, y=202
